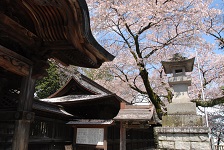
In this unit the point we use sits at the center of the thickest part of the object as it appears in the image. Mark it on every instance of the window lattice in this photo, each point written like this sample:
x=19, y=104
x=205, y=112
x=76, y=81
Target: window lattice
x=9, y=99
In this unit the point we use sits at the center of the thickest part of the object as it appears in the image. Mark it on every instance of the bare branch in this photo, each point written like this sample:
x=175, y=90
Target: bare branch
x=150, y=24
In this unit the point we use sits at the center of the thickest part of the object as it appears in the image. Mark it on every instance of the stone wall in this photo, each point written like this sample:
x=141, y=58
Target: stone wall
x=182, y=138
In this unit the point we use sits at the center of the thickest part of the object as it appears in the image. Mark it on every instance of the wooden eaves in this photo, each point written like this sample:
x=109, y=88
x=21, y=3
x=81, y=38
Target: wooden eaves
x=42, y=29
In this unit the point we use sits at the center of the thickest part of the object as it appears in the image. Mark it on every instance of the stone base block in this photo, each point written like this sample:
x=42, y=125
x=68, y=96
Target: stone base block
x=182, y=138
x=181, y=109
x=182, y=121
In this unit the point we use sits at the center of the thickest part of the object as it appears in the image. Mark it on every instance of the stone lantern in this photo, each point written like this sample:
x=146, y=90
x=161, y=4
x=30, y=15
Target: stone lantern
x=181, y=128
x=178, y=66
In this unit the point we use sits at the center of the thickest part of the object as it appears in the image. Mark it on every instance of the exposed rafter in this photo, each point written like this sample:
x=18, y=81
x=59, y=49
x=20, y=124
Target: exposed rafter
x=42, y=29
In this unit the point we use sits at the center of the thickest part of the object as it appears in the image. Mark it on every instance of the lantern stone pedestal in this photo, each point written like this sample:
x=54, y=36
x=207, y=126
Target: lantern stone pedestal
x=182, y=138
x=182, y=128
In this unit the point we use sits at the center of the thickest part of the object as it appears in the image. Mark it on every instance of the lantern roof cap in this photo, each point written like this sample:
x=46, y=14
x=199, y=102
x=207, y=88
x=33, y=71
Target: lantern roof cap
x=178, y=61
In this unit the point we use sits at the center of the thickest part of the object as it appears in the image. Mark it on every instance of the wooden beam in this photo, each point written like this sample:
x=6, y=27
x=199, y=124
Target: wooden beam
x=13, y=30
x=16, y=115
x=14, y=62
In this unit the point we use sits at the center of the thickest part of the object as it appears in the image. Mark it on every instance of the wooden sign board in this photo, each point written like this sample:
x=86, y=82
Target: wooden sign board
x=91, y=136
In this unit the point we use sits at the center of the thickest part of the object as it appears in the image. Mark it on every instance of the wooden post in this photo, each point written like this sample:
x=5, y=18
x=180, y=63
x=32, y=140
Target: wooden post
x=105, y=138
x=74, y=138
x=24, y=114
x=122, y=136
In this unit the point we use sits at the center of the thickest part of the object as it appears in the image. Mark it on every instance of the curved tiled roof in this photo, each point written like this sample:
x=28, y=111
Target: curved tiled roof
x=135, y=113
x=50, y=108
x=75, y=98
x=90, y=122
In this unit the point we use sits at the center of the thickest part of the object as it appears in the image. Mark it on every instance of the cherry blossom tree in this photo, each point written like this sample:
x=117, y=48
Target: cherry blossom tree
x=212, y=72
x=215, y=26
x=143, y=33
x=216, y=122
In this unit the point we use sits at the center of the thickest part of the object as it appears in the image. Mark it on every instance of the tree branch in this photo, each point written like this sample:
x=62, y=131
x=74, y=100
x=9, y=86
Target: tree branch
x=209, y=103
x=150, y=24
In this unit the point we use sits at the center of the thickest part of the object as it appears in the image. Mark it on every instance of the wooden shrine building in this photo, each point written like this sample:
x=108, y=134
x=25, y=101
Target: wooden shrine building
x=136, y=126
x=31, y=32
x=93, y=108
x=101, y=119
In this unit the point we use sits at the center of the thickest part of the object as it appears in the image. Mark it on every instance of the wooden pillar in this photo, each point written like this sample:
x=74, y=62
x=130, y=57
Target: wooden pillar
x=24, y=114
x=122, y=136
x=105, y=138
x=74, y=138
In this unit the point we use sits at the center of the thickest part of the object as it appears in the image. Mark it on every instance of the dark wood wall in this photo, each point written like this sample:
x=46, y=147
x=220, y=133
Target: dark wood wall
x=6, y=134
x=9, y=88
x=49, y=134
x=45, y=134
x=136, y=138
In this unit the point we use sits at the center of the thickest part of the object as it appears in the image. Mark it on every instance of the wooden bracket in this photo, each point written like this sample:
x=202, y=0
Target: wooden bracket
x=14, y=62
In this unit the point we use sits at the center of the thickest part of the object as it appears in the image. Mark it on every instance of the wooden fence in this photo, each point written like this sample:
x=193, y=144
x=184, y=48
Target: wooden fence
x=218, y=147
